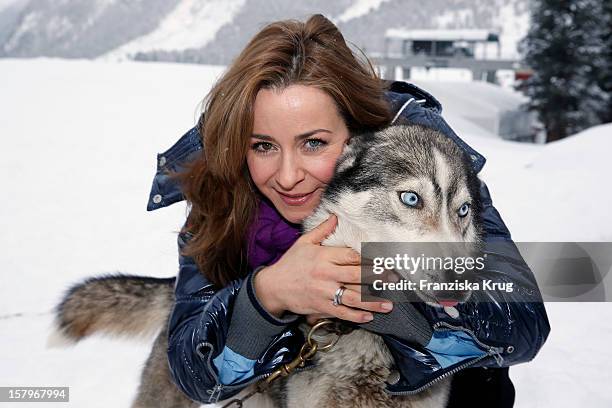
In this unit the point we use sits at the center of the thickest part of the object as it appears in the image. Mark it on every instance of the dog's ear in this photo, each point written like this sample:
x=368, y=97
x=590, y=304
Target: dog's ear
x=347, y=158
x=355, y=144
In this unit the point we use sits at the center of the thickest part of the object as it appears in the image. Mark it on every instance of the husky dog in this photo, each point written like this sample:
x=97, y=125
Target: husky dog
x=404, y=183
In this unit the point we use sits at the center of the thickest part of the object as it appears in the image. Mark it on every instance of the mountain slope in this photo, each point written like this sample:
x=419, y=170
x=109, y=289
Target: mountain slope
x=78, y=28
x=214, y=31
x=191, y=24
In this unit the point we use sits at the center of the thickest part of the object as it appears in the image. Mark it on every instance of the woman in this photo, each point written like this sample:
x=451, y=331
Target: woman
x=274, y=125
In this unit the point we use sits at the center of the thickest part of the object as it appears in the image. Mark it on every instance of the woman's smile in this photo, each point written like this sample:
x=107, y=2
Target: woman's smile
x=295, y=199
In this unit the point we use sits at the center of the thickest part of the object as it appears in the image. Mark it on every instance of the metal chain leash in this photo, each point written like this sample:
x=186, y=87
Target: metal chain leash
x=307, y=352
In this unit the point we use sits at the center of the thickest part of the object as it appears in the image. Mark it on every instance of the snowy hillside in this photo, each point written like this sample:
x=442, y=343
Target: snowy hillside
x=191, y=24
x=76, y=28
x=79, y=142
x=357, y=9
x=173, y=30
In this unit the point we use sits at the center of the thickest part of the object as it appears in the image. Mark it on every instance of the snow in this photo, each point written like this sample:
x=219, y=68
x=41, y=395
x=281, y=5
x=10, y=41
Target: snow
x=357, y=9
x=514, y=26
x=437, y=75
x=192, y=24
x=511, y=22
x=489, y=106
x=31, y=20
x=79, y=142
x=453, y=18
x=8, y=3
x=552, y=192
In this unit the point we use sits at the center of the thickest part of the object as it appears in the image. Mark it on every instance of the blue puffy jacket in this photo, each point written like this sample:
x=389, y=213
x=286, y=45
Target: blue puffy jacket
x=500, y=331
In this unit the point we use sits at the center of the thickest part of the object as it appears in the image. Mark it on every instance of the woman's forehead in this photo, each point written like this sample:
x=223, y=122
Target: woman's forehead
x=297, y=107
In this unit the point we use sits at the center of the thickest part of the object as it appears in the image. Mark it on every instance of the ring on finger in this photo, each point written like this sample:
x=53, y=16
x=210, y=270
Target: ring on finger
x=338, y=296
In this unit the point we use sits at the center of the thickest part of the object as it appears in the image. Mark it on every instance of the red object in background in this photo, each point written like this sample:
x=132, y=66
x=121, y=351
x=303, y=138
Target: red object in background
x=522, y=75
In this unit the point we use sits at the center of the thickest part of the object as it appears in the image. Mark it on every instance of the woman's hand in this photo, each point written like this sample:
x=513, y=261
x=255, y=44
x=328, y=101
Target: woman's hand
x=306, y=277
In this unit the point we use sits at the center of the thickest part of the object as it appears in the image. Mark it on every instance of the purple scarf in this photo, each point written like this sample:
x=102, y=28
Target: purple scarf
x=269, y=236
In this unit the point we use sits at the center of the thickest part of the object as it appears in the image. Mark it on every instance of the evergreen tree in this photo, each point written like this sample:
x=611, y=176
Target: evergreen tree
x=605, y=72
x=566, y=49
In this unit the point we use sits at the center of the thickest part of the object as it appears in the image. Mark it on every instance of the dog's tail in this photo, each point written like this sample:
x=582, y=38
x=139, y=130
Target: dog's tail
x=114, y=305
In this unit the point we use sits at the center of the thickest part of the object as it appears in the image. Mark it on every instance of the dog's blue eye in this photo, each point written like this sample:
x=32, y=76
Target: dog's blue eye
x=463, y=211
x=410, y=198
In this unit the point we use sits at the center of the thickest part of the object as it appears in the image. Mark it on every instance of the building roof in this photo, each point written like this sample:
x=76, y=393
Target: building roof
x=443, y=35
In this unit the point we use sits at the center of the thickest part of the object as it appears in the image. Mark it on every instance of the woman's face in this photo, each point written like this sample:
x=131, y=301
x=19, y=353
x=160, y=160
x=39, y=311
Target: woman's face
x=298, y=135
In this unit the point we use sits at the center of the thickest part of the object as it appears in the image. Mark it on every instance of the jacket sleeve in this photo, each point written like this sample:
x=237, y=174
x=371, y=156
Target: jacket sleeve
x=216, y=337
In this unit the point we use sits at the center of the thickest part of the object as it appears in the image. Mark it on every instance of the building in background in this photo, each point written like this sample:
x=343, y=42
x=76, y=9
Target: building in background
x=475, y=50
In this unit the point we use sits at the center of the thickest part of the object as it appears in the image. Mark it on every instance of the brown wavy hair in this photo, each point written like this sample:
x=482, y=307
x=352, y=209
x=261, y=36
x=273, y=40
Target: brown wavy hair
x=221, y=196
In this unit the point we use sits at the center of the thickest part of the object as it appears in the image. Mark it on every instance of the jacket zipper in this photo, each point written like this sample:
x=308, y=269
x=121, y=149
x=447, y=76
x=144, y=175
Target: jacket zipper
x=216, y=391
x=440, y=378
x=494, y=352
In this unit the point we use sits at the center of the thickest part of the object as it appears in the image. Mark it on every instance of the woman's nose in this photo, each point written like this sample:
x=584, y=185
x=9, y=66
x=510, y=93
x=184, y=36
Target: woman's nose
x=290, y=172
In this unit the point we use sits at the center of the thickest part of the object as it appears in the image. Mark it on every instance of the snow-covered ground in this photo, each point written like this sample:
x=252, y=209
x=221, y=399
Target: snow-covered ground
x=79, y=142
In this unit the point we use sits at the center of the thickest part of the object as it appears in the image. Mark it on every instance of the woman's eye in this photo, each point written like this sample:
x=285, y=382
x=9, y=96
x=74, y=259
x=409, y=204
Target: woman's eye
x=410, y=198
x=314, y=144
x=262, y=147
x=463, y=210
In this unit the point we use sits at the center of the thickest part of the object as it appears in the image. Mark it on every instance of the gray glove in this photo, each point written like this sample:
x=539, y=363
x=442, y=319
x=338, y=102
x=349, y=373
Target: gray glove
x=404, y=321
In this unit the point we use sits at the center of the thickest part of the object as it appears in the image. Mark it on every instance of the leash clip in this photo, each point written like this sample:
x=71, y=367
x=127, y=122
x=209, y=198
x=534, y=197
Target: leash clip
x=307, y=352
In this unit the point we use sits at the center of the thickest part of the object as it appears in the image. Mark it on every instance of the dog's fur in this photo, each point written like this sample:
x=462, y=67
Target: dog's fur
x=364, y=194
